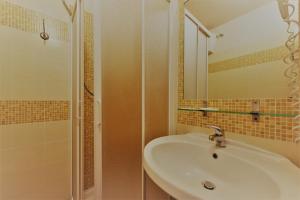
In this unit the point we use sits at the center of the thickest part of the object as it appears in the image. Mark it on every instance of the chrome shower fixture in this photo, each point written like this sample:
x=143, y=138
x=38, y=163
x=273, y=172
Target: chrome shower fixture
x=69, y=9
x=287, y=11
x=220, y=35
x=44, y=35
x=284, y=8
x=186, y=1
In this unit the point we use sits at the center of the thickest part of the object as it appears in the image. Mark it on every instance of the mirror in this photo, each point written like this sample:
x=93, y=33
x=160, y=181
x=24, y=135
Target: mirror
x=196, y=38
x=236, y=50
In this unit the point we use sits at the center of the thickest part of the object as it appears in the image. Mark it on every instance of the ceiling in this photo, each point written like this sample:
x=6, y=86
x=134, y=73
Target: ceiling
x=213, y=13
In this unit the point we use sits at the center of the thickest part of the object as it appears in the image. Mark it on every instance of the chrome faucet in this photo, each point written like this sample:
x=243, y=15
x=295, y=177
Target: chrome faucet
x=218, y=136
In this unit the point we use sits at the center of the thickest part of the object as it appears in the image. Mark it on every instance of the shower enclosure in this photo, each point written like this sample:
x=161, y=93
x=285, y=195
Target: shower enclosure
x=51, y=76
x=46, y=73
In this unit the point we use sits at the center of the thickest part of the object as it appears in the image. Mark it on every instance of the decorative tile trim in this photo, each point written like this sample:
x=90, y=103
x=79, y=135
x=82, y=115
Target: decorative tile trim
x=20, y=112
x=24, y=19
x=276, y=128
x=89, y=50
x=181, y=51
x=88, y=101
x=268, y=55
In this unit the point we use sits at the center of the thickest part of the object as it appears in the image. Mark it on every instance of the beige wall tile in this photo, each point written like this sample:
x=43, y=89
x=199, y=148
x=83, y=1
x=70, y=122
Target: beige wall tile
x=34, y=162
x=41, y=69
x=24, y=158
x=47, y=182
x=246, y=82
x=21, y=135
x=57, y=131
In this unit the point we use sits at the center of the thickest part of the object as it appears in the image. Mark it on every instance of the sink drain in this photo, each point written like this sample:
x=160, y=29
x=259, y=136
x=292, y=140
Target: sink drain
x=208, y=185
x=215, y=156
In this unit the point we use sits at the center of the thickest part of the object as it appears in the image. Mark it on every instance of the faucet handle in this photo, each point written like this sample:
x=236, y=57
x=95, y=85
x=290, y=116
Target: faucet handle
x=218, y=131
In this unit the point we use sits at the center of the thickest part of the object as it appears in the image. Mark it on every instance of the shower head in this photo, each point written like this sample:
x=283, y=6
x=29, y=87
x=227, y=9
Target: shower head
x=283, y=8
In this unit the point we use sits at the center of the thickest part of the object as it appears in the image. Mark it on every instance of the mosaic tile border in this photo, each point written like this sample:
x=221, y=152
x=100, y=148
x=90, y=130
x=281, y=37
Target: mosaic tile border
x=88, y=101
x=27, y=20
x=277, y=128
x=260, y=57
x=181, y=52
x=22, y=111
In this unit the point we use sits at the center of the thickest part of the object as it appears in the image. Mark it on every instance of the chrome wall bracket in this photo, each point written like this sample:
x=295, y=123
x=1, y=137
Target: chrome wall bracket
x=255, y=111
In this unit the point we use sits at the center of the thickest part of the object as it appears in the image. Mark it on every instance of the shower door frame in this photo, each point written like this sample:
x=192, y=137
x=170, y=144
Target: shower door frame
x=77, y=102
x=78, y=97
x=78, y=191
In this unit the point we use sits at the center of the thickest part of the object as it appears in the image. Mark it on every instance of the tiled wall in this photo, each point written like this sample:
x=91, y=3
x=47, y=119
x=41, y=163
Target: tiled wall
x=271, y=127
x=20, y=112
x=35, y=144
x=88, y=101
x=265, y=56
x=27, y=20
x=233, y=117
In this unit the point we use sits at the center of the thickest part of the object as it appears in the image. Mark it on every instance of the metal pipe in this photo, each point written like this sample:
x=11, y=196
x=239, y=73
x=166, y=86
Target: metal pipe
x=283, y=8
x=292, y=59
x=69, y=9
x=186, y=2
x=74, y=11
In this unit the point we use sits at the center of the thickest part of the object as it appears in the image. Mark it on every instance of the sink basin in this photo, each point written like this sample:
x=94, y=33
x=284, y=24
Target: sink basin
x=190, y=167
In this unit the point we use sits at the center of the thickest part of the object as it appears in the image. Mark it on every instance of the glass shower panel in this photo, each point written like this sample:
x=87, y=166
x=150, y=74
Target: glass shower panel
x=35, y=97
x=156, y=69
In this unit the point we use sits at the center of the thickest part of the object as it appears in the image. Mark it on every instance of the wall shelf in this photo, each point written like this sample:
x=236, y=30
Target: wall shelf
x=238, y=113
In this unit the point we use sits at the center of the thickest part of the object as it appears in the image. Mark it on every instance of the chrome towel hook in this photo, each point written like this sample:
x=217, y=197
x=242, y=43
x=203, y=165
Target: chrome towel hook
x=44, y=35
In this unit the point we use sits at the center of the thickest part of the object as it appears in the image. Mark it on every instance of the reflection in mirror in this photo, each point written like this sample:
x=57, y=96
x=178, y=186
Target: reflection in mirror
x=195, y=58
x=245, y=47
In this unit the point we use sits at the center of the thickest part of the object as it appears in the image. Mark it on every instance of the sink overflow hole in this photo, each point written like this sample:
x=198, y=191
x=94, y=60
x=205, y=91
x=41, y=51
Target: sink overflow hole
x=209, y=185
x=215, y=156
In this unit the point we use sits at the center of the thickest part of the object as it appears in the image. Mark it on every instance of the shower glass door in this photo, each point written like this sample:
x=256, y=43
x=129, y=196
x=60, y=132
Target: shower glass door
x=35, y=100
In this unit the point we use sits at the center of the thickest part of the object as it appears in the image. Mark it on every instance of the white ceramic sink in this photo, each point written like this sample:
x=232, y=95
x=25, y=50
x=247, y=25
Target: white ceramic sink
x=181, y=164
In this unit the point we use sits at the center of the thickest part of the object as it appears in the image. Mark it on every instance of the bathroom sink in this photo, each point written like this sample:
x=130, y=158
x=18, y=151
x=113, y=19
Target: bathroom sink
x=190, y=167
